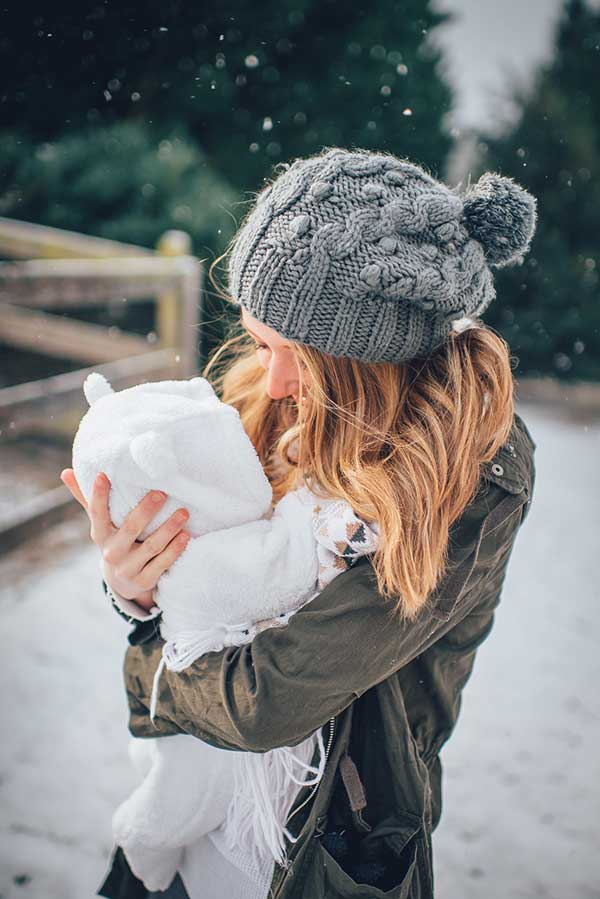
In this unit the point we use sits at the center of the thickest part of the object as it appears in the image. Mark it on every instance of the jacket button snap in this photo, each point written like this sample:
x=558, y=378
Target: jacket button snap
x=497, y=469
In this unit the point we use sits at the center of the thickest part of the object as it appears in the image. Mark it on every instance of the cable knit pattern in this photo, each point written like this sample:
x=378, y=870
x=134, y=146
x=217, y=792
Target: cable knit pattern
x=364, y=254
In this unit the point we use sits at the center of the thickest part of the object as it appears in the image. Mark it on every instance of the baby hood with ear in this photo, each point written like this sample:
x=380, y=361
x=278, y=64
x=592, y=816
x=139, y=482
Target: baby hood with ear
x=175, y=436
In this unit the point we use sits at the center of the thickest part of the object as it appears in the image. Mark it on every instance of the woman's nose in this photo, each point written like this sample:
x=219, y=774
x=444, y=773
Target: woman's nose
x=282, y=378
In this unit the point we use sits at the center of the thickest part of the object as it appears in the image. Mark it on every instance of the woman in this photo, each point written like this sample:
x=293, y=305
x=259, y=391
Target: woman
x=361, y=280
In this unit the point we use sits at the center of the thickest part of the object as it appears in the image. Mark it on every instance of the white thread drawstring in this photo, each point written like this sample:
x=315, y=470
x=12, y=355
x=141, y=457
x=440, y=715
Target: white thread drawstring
x=155, y=682
x=181, y=650
x=318, y=772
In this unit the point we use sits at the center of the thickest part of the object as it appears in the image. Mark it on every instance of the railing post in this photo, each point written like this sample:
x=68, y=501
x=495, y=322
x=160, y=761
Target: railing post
x=68, y=269
x=168, y=311
x=191, y=331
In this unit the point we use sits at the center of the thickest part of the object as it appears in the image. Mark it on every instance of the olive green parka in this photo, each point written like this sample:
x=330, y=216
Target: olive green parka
x=387, y=691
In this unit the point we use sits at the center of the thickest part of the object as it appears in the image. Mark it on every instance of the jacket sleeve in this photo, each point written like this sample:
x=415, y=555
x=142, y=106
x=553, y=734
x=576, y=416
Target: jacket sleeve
x=289, y=681
x=281, y=687
x=145, y=628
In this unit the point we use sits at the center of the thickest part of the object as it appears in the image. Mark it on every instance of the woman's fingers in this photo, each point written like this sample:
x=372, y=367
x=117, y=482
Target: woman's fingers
x=97, y=509
x=123, y=539
x=102, y=526
x=69, y=480
x=150, y=574
x=153, y=545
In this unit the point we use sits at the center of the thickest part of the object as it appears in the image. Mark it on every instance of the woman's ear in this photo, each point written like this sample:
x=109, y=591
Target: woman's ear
x=153, y=453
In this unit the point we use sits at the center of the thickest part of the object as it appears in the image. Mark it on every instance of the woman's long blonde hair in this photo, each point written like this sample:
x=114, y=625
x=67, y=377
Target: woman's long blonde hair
x=401, y=443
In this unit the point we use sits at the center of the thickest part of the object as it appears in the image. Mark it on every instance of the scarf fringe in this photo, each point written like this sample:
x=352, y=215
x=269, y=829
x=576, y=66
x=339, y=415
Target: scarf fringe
x=258, y=812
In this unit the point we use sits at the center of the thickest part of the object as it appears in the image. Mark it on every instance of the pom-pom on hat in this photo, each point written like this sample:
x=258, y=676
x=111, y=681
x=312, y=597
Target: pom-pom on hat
x=363, y=254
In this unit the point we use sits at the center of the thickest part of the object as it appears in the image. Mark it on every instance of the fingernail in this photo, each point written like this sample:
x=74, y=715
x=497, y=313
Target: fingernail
x=102, y=480
x=158, y=496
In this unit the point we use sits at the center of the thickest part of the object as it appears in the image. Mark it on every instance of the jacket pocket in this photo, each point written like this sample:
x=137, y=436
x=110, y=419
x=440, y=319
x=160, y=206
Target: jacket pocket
x=401, y=862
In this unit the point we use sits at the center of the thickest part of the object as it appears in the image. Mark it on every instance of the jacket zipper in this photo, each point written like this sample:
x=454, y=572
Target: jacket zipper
x=316, y=786
x=308, y=798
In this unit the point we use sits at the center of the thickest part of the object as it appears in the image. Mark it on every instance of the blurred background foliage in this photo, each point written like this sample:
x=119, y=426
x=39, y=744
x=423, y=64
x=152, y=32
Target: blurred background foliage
x=123, y=120
x=549, y=308
x=117, y=181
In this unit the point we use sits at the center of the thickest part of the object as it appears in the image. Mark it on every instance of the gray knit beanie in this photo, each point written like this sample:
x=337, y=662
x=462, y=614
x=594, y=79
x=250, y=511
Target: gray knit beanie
x=363, y=254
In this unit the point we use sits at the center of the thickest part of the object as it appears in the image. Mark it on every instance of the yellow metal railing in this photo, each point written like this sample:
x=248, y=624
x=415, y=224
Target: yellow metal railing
x=49, y=271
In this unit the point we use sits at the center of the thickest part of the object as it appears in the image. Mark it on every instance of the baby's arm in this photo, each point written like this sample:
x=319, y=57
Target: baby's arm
x=244, y=574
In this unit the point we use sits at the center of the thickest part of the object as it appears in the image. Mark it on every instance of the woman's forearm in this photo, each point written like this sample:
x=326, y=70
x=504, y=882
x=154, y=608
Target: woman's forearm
x=281, y=687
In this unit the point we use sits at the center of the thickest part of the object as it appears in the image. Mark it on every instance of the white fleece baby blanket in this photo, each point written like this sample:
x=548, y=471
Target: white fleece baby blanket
x=248, y=566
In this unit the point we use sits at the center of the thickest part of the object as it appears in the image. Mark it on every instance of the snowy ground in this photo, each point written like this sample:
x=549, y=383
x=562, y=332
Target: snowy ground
x=522, y=771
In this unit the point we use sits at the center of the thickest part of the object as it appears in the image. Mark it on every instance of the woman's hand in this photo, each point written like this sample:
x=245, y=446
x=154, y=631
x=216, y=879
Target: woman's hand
x=131, y=567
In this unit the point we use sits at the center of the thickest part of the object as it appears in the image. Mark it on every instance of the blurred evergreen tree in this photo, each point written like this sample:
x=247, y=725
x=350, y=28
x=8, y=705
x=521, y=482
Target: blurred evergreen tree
x=253, y=83
x=548, y=309
x=105, y=107
x=118, y=182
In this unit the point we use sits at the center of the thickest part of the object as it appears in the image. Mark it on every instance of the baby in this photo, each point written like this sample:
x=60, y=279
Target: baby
x=248, y=566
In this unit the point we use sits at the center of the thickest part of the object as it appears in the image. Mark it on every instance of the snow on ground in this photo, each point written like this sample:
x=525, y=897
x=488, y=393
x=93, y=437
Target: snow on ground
x=521, y=772
x=63, y=756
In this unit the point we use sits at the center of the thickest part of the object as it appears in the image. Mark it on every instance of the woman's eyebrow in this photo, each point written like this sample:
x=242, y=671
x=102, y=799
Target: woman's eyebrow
x=260, y=340
x=250, y=332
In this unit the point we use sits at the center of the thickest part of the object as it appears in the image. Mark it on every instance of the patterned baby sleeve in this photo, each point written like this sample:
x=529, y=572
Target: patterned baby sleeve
x=342, y=537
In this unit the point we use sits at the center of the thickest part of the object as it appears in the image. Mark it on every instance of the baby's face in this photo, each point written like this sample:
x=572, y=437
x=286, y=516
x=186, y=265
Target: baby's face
x=276, y=355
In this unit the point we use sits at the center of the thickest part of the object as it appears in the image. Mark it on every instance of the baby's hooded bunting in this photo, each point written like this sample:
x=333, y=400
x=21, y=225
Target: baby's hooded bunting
x=249, y=566
x=247, y=562
x=175, y=436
